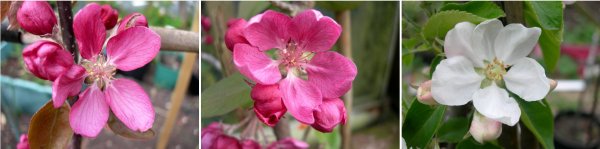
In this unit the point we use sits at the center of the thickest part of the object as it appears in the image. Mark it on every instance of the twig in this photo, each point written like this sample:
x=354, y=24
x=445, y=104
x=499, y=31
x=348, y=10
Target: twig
x=345, y=44
x=305, y=135
x=66, y=26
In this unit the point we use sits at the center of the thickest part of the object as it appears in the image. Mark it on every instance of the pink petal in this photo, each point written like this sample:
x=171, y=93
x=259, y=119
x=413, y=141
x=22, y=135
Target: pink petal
x=314, y=32
x=210, y=133
x=329, y=114
x=23, y=142
x=235, y=34
x=46, y=59
x=130, y=103
x=300, y=98
x=36, y=17
x=268, y=106
x=268, y=30
x=67, y=84
x=332, y=72
x=90, y=113
x=288, y=143
x=132, y=20
x=109, y=16
x=255, y=64
x=250, y=144
x=133, y=48
x=89, y=30
x=225, y=142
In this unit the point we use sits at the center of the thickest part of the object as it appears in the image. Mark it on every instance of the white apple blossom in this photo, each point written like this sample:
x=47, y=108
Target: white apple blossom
x=483, y=62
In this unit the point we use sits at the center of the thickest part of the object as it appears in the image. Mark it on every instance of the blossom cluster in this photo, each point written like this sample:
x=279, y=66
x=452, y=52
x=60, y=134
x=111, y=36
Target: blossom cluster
x=213, y=137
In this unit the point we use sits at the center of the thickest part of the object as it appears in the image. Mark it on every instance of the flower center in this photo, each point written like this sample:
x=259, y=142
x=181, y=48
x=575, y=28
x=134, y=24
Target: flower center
x=495, y=70
x=292, y=59
x=99, y=71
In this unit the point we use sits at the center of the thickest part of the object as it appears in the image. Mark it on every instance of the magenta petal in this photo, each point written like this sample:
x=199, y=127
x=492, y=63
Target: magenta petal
x=234, y=33
x=329, y=114
x=36, y=17
x=268, y=30
x=300, y=98
x=130, y=103
x=268, y=106
x=90, y=113
x=133, y=48
x=132, y=20
x=209, y=134
x=46, y=59
x=288, y=143
x=314, y=32
x=89, y=30
x=109, y=16
x=67, y=84
x=332, y=72
x=225, y=142
x=255, y=64
x=250, y=144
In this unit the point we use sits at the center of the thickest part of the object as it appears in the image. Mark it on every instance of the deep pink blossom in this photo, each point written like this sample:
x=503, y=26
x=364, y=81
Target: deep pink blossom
x=46, y=59
x=268, y=105
x=23, y=142
x=36, y=17
x=109, y=16
x=288, y=143
x=305, y=71
x=129, y=49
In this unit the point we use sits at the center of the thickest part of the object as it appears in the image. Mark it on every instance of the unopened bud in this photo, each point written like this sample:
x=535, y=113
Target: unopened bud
x=424, y=93
x=553, y=84
x=484, y=129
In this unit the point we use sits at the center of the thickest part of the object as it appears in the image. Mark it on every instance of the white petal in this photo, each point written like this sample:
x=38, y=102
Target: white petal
x=493, y=102
x=527, y=79
x=458, y=43
x=514, y=42
x=454, y=81
x=482, y=39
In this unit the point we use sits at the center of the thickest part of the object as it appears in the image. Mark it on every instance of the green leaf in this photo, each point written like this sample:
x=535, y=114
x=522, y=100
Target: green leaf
x=421, y=123
x=485, y=9
x=247, y=9
x=121, y=129
x=50, y=128
x=470, y=143
x=548, y=16
x=338, y=6
x=537, y=117
x=225, y=96
x=436, y=60
x=440, y=23
x=454, y=129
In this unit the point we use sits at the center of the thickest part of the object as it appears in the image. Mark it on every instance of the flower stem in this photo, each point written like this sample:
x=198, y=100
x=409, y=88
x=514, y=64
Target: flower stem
x=346, y=46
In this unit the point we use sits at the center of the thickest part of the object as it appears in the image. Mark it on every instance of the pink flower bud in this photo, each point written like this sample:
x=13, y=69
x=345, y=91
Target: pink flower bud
x=46, y=59
x=268, y=105
x=205, y=24
x=250, y=144
x=288, y=143
x=424, y=93
x=234, y=33
x=109, y=16
x=225, y=142
x=329, y=114
x=132, y=20
x=36, y=17
x=23, y=142
x=484, y=129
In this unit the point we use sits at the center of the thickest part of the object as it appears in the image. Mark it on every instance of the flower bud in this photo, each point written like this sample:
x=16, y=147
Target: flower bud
x=23, y=142
x=424, y=93
x=329, y=114
x=205, y=24
x=268, y=105
x=484, y=129
x=553, y=84
x=234, y=35
x=109, y=16
x=36, y=17
x=132, y=20
x=46, y=59
x=288, y=143
x=250, y=144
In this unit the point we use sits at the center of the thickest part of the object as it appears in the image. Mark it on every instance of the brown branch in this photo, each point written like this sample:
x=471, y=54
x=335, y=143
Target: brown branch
x=66, y=26
x=177, y=40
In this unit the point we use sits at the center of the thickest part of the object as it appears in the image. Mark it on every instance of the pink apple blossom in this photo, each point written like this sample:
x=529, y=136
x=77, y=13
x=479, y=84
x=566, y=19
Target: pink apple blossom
x=268, y=104
x=129, y=49
x=36, y=17
x=46, y=59
x=310, y=78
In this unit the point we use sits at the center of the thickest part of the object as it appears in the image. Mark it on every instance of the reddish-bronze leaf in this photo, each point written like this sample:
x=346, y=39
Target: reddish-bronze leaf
x=49, y=127
x=120, y=129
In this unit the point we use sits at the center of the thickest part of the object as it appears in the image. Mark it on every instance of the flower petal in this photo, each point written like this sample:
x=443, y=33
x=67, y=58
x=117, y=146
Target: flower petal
x=300, y=97
x=235, y=34
x=288, y=143
x=255, y=64
x=36, y=17
x=454, y=81
x=132, y=20
x=458, y=43
x=89, y=30
x=482, y=38
x=314, y=32
x=268, y=30
x=109, y=16
x=226, y=142
x=130, y=103
x=90, y=113
x=67, y=84
x=329, y=114
x=332, y=73
x=493, y=102
x=514, y=42
x=46, y=59
x=268, y=106
x=133, y=48
x=528, y=80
